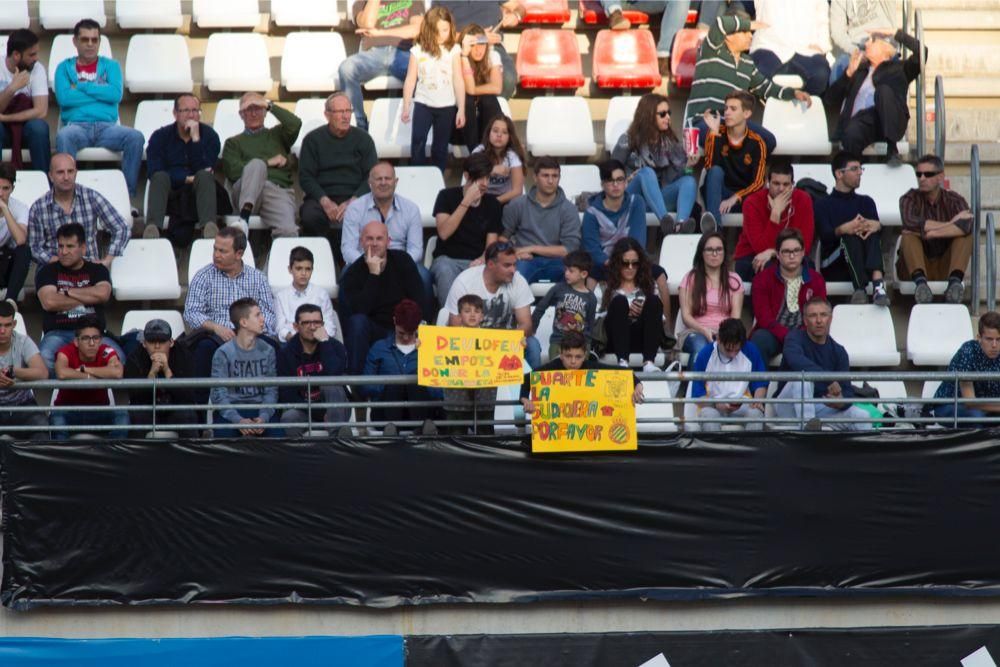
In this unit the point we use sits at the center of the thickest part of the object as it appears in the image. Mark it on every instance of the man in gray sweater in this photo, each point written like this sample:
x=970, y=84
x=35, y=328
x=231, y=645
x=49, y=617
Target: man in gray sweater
x=543, y=226
x=245, y=356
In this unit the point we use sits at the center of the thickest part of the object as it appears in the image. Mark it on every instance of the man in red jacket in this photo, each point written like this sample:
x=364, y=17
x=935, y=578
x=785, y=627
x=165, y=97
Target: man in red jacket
x=768, y=211
x=779, y=292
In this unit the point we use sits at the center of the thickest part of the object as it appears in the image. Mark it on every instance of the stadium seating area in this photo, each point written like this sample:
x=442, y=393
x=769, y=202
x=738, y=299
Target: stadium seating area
x=291, y=50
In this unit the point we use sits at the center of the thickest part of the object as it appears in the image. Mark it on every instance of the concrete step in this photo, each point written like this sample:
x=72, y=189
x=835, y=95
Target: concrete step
x=958, y=152
x=955, y=5
x=961, y=19
x=960, y=85
x=961, y=124
x=990, y=190
x=963, y=53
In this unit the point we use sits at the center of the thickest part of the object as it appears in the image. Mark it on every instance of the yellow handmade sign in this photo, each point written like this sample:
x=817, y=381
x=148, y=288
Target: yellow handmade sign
x=466, y=357
x=582, y=411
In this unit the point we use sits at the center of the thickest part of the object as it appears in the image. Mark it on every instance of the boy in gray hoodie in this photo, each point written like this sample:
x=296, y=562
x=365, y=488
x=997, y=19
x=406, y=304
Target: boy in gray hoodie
x=543, y=226
x=245, y=356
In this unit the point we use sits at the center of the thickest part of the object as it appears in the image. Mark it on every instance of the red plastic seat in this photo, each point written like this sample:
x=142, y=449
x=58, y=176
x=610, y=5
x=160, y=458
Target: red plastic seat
x=549, y=59
x=685, y=55
x=625, y=59
x=546, y=11
x=593, y=13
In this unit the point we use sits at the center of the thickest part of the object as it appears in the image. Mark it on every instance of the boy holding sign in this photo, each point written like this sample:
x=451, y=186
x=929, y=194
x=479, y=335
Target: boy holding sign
x=464, y=403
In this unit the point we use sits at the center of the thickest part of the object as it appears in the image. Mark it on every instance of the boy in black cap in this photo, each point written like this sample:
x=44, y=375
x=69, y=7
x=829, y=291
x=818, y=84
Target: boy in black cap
x=159, y=358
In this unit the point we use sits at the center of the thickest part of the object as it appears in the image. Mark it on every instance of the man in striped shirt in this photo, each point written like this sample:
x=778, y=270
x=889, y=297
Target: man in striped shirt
x=724, y=66
x=735, y=160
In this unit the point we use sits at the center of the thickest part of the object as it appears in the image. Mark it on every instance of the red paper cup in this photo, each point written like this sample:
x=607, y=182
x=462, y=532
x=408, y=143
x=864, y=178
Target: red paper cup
x=691, y=140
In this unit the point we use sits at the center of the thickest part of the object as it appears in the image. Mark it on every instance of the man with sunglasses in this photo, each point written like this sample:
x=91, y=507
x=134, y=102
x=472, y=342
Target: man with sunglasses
x=850, y=233
x=871, y=96
x=936, y=240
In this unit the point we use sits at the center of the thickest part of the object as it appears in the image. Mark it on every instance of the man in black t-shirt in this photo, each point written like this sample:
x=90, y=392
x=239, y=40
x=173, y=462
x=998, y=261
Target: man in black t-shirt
x=467, y=221
x=69, y=289
x=492, y=16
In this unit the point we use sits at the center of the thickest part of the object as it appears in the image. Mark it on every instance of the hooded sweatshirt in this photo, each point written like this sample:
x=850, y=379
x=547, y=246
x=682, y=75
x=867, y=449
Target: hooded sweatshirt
x=526, y=222
x=603, y=228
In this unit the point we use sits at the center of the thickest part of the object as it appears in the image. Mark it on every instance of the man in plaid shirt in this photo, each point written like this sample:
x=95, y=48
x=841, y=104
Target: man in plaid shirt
x=215, y=287
x=68, y=202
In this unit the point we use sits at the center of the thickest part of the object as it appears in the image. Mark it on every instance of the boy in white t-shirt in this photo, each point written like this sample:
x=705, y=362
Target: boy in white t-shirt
x=24, y=101
x=288, y=300
x=15, y=253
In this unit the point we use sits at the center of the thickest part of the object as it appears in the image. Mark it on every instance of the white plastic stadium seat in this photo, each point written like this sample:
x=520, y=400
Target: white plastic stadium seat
x=662, y=412
x=383, y=82
x=577, y=178
x=64, y=14
x=544, y=332
x=886, y=185
x=817, y=172
x=798, y=130
x=158, y=64
x=420, y=185
x=561, y=127
x=148, y=14
x=310, y=61
x=30, y=185
x=507, y=413
x=429, y=249
x=935, y=332
x=14, y=16
x=788, y=80
x=225, y=14
x=146, y=271
x=677, y=256
x=621, y=109
x=136, y=319
x=237, y=62
x=442, y=318
x=324, y=273
x=201, y=255
x=227, y=122
x=302, y=13
x=867, y=333
x=62, y=48
x=151, y=115
x=111, y=184
x=390, y=134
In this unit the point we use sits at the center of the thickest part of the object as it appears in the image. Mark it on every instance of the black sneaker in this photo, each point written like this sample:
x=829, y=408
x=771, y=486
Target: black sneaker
x=688, y=226
x=923, y=292
x=667, y=224
x=955, y=292
x=708, y=223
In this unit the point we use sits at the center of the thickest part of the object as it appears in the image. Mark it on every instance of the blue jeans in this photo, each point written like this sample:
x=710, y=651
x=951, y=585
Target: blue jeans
x=250, y=414
x=428, y=282
x=715, y=191
x=35, y=137
x=424, y=118
x=49, y=346
x=360, y=331
x=60, y=419
x=814, y=69
x=945, y=414
x=839, y=67
x=541, y=269
x=693, y=343
x=533, y=352
x=364, y=66
x=678, y=195
x=76, y=136
x=673, y=19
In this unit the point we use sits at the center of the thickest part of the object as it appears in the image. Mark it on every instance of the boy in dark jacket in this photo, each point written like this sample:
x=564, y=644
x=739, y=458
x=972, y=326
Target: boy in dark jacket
x=158, y=357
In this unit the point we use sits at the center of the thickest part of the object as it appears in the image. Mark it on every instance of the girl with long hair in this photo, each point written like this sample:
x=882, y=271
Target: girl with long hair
x=658, y=166
x=633, y=303
x=708, y=294
x=482, y=73
x=434, y=87
x=502, y=146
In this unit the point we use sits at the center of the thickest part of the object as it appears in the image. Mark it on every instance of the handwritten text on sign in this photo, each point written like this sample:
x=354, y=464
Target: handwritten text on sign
x=466, y=357
x=584, y=410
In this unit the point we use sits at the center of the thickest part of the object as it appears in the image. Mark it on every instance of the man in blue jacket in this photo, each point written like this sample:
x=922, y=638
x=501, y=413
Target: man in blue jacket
x=89, y=89
x=812, y=350
x=179, y=160
x=311, y=352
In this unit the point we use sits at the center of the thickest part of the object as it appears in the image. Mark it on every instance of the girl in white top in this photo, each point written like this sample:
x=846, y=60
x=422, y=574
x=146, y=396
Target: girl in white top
x=434, y=88
x=482, y=72
x=504, y=149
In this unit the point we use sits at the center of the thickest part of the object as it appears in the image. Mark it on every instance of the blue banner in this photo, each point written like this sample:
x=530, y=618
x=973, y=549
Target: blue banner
x=373, y=651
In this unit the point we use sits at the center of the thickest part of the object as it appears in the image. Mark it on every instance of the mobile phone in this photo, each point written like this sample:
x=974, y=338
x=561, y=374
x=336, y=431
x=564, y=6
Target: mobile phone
x=639, y=300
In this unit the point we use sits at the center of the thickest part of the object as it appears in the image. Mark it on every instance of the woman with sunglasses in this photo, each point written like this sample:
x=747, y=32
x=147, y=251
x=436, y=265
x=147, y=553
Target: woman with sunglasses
x=634, y=308
x=708, y=294
x=658, y=166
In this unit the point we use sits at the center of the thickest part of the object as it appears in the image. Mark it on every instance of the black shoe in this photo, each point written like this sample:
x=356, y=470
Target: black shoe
x=814, y=424
x=428, y=428
x=390, y=430
x=687, y=227
x=667, y=224
x=708, y=223
x=923, y=293
x=955, y=291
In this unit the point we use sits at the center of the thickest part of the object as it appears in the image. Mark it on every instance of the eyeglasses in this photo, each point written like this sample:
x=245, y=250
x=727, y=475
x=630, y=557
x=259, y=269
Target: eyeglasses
x=715, y=250
x=88, y=40
x=854, y=168
x=616, y=181
x=790, y=252
x=927, y=174
x=311, y=323
x=663, y=114
x=89, y=339
x=630, y=262
x=496, y=248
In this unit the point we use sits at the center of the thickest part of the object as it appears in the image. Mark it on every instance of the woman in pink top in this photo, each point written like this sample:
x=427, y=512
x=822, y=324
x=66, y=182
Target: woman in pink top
x=708, y=294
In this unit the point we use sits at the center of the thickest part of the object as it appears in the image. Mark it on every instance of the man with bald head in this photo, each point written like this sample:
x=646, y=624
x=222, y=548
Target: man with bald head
x=68, y=202
x=257, y=163
x=371, y=288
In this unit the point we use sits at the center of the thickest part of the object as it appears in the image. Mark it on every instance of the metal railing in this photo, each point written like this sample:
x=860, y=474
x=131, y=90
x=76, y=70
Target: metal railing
x=940, y=118
x=975, y=192
x=918, y=25
x=914, y=412
x=991, y=262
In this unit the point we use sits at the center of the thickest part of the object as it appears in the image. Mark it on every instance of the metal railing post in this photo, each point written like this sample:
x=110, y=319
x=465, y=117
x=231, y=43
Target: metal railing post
x=906, y=26
x=976, y=196
x=940, y=117
x=921, y=86
x=991, y=262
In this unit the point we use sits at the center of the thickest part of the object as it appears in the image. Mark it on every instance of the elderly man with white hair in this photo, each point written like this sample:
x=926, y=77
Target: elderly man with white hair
x=257, y=162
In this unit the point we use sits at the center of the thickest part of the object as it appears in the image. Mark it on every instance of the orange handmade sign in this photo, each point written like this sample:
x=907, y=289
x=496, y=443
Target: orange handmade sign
x=582, y=411
x=453, y=357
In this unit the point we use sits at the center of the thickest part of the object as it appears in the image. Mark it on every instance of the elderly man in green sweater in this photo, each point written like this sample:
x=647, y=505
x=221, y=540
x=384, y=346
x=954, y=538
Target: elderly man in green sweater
x=257, y=163
x=333, y=169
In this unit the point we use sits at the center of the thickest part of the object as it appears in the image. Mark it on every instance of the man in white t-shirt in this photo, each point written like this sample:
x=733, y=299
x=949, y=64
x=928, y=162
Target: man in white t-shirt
x=19, y=362
x=507, y=299
x=24, y=101
x=15, y=253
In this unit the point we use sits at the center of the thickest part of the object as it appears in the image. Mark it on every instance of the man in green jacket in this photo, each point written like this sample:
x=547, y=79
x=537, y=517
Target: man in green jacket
x=257, y=163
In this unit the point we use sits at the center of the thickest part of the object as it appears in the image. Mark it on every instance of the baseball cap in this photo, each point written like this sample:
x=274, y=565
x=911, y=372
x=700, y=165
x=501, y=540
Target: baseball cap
x=157, y=331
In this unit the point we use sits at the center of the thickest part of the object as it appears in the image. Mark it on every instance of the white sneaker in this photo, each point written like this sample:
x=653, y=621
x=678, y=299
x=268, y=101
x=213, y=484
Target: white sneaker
x=623, y=363
x=650, y=367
